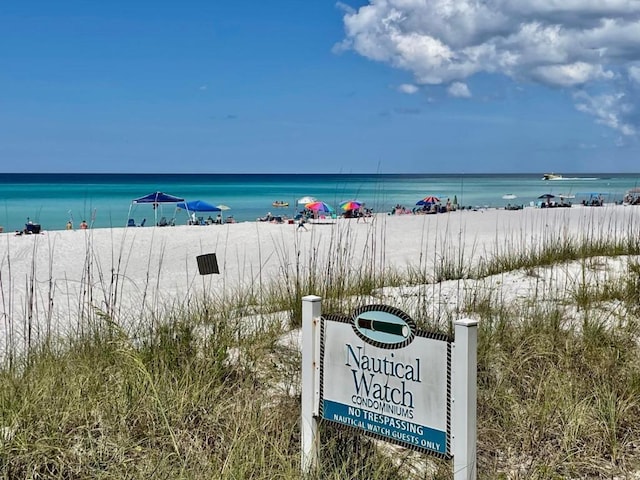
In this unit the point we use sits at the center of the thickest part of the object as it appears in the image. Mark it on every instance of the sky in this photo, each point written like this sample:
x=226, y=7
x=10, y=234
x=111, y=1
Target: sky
x=292, y=86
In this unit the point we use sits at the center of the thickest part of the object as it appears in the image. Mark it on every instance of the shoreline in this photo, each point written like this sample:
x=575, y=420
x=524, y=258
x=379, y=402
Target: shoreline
x=327, y=220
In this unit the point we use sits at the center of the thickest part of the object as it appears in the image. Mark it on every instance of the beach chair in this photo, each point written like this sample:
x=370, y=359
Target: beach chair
x=131, y=223
x=32, y=227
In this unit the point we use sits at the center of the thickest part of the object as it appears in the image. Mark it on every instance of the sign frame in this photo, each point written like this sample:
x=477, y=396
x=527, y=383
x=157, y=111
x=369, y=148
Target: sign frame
x=384, y=330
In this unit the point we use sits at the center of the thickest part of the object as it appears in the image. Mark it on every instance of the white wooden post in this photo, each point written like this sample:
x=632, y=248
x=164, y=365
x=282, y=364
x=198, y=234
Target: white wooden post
x=464, y=373
x=310, y=443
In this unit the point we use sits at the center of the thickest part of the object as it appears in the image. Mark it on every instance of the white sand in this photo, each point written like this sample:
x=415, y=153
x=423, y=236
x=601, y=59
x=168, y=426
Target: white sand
x=49, y=280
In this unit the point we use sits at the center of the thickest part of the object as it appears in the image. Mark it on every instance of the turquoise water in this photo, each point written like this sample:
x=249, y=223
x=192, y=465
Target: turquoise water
x=105, y=200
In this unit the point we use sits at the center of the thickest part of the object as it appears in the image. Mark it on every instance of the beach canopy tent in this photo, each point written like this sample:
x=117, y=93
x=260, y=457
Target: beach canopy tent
x=156, y=199
x=196, y=206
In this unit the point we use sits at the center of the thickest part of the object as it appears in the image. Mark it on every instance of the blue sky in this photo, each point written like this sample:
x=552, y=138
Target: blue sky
x=380, y=86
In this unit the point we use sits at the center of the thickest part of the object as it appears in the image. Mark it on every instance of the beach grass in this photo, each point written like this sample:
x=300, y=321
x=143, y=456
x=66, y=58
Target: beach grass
x=209, y=389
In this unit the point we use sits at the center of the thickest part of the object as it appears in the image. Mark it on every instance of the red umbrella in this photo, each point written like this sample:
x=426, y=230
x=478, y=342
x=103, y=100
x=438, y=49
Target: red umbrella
x=428, y=200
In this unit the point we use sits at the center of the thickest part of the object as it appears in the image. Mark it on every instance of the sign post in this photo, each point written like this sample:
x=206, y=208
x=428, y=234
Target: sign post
x=311, y=311
x=464, y=367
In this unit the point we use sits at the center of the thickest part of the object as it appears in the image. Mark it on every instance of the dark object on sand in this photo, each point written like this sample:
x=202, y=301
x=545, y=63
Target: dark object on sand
x=207, y=264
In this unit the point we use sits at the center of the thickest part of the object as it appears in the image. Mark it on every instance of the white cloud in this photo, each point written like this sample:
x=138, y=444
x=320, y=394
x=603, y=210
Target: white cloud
x=609, y=110
x=634, y=73
x=570, y=44
x=345, y=8
x=408, y=88
x=459, y=89
x=571, y=75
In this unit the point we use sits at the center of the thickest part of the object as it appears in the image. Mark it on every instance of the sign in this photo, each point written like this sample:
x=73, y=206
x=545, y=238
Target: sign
x=383, y=377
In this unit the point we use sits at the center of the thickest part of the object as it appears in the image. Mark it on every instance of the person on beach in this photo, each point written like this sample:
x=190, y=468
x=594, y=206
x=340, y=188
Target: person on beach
x=69, y=225
x=301, y=224
x=361, y=215
x=83, y=225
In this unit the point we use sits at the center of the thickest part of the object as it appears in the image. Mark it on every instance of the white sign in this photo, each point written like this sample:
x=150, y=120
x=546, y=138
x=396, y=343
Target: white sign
x=394, y=390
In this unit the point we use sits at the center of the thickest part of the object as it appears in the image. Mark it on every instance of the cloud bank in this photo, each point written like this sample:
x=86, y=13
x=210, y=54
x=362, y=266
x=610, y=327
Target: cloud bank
x=589, y=47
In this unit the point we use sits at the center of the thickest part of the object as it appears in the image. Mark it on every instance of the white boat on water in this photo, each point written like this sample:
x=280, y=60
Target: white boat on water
x=554, y=176
x=551, y=176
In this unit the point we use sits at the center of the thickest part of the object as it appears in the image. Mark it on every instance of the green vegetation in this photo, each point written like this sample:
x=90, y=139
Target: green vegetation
x=200, y=395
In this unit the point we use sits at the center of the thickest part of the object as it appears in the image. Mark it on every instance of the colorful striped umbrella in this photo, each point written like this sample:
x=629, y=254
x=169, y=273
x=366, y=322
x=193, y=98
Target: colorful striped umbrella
x=428, y=200
x=351, y=205
x=319, y=207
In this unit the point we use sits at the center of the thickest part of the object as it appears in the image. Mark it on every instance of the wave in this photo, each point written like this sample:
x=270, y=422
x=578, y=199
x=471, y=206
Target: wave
x=573, y=178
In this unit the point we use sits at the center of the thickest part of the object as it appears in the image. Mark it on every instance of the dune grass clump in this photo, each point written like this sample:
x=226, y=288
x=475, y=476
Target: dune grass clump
x=556, y=401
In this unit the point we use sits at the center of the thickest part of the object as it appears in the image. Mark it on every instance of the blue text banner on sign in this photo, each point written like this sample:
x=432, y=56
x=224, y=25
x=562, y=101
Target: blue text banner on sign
x=386, y=426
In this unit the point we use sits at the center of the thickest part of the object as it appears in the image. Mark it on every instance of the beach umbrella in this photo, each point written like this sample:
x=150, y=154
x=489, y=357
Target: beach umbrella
x=547, y=195
x=224, y=207
x=351, y=205
x=305, y=200
x=319, y=207
x=428, y=200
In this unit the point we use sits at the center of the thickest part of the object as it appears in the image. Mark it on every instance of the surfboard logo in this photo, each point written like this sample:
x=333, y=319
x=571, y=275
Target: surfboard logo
x=383, y=326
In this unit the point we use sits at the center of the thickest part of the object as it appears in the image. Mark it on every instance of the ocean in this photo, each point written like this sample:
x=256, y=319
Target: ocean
x=105, y=200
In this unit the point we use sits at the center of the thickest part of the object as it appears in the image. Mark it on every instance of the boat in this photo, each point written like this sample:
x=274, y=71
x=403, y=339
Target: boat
x=279, y=203
x=551, y=176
